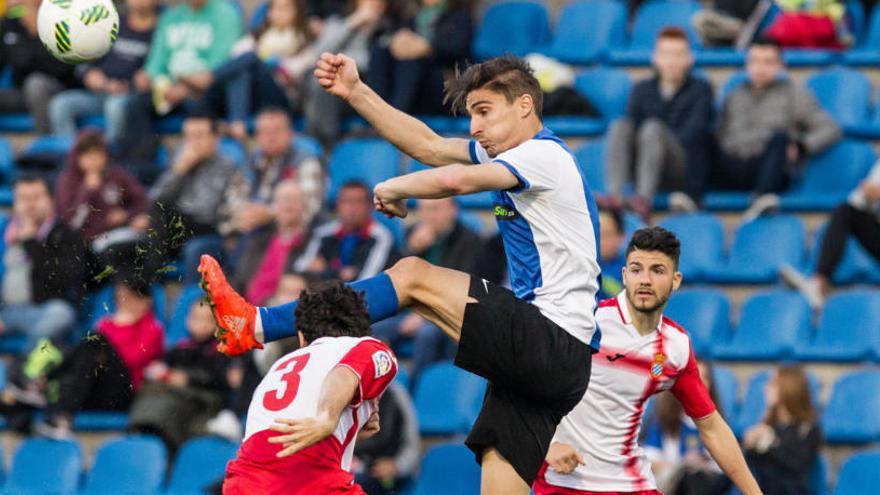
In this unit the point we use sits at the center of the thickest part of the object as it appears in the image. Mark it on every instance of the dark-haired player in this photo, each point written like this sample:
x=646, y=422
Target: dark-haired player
x=319, y=397
x=533, y=343
x=595, y=449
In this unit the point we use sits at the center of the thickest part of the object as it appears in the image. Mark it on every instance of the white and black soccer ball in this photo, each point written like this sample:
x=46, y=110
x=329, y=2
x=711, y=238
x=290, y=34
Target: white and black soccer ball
x=77, y=31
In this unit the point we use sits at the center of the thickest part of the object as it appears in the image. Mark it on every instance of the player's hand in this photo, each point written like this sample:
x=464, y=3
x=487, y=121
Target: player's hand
x=337, y=74
x=300, y=434
x=388, y=205
x=563, y=458
x=871, y=190
x=95, y=80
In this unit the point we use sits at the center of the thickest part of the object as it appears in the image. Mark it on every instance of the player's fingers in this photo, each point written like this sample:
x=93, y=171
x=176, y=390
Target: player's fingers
x=283, y=439
x=293, y=449
x=580, y=459
x=325, y=67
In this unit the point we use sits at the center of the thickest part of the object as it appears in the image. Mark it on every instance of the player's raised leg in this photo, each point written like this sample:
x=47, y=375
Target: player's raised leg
x=498, y=475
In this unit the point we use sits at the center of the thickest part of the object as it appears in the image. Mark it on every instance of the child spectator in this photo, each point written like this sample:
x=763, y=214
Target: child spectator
x=106, y=369
x=673, y=445
x=187, y=387
x=267, y=67
x=782, y=449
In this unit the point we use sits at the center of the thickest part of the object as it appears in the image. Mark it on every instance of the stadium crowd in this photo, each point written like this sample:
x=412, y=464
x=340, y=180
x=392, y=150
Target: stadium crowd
x=116, y=219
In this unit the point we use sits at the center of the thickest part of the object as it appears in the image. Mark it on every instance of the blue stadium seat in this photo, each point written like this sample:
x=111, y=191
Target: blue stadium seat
x=607, y=89
x=808, y=57
x=867, y=53
x=591, y=158
x=447, y=399
x=100, y=421
x=200, y=463
x=702, y=242
x=719, y=57
x=6, y=78
x=170, y=124
x=517, y=27
x=128, y=465
x=651, y=18
x=837, y=337
x=770, y=325
x=759, y=248
x=704, y=313
x=308, y=145
x=727, y=391
x=49, y=144
x=16, y=122
x=843, y=93
x=851, y=414
x=232, y=149
x=830, y=176
x=448, y=468
x=857, y=266
x=44, y=466
x=860, y=474
x=395, y=226
x=258, y=17
x=754, y=403
x=176, y=330
x=7, y=162
x=368, y=160
x=586, y=29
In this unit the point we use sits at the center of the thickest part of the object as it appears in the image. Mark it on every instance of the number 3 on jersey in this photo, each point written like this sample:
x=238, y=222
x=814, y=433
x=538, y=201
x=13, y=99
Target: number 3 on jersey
x=291, y=378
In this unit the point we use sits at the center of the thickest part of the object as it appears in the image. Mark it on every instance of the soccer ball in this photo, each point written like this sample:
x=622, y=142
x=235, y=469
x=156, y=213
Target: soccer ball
x=77, y=31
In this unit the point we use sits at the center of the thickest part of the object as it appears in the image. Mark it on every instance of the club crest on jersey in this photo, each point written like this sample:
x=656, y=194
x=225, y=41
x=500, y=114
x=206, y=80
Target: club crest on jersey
x=382, y=363
x=657, y=366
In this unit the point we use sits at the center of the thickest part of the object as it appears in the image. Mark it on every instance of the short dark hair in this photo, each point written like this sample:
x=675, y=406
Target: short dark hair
x=617, y=217
x=656, y=239
x=672, y=33
x=32, y=178
x=90, y=140
x=274, y=110
x=356, y=184
x=332, y=309
x=200, y=112
x=508, y=75
x=765, y=42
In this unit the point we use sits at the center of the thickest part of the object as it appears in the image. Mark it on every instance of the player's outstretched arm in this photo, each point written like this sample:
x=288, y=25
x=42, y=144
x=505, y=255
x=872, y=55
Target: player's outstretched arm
x=390, y=196
x=338, y=75
x=337, y=392
x=724, y=448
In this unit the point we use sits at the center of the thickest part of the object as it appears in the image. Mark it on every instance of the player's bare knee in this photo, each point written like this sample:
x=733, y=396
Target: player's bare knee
x=407, y=274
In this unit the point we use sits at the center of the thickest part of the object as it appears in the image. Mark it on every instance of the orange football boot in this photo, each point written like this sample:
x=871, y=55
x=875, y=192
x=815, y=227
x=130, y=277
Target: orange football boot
x=235, y=317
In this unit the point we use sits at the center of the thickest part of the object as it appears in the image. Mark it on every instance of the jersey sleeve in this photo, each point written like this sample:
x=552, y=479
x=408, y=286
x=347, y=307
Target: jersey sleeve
x=691, y=392
x=478, y=153
x=374, y=364
x=529, y=163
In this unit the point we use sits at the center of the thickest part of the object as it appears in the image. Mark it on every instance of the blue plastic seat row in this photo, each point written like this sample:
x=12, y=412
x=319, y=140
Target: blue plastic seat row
x=776, y=324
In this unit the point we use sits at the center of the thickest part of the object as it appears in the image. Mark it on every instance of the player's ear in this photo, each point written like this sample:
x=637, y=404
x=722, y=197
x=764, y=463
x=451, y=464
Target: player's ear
x=676, y=281
x=526, y=105
x=302, y=339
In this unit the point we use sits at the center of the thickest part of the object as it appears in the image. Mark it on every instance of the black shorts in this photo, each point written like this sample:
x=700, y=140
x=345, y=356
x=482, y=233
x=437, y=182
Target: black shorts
x=537, y=373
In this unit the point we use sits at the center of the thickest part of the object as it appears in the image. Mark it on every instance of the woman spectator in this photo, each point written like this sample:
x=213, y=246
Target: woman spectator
x=99, y=200
x=106, y=369
x=408, y=67
x=781, y=450
x=678, y=458
x=267, y=67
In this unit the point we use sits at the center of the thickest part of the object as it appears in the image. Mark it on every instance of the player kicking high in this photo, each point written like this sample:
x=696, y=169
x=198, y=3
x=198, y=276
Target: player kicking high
x=595, y=449
x=533, y=344
x=321, y=395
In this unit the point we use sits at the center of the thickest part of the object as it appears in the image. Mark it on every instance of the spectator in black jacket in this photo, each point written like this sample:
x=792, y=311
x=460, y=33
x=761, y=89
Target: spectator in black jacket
x=408, y=66
x=662, y=140
x=44, y=266
x=782, y=449
x=440, y=238
x=354, y=246
x=36, y=74
x=111, y=82
x=186, y=388
x=390, y=457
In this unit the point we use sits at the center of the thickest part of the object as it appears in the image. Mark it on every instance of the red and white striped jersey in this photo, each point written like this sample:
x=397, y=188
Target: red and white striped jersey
x=604, y=426
x=291, y=390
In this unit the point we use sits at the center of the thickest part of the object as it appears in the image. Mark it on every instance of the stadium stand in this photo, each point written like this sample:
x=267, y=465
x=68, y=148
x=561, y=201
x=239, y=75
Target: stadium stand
x=44, y=466
x=127, y=465
x=651, y=18
x=836, y=338
x=702, y=242
x=851, y=414
x=520, y=28
x=447, y=399
x=770, y=325
x=754, y=403
x=705, y=314
x=859, y=471
x=439, y=462
x=586, y=29
x=199, y=464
